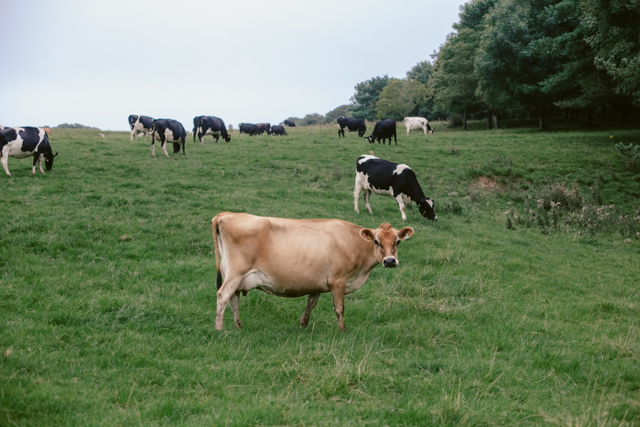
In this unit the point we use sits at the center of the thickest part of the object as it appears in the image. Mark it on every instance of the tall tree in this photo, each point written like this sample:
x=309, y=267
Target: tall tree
x=453, y=82
x=367, y=94
x=399, y=98
x=611, y=28
x=509, y=65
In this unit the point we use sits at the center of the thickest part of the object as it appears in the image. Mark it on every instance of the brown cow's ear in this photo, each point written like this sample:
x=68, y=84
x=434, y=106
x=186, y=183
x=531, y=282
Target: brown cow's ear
x=366, y=234
x=405, y=233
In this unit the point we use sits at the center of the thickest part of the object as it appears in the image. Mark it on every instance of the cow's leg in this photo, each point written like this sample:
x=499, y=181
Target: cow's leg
x=132, y=135
x=356, y=195
x=408, y=130
x=5, y=158
x=164, y=147
x=225, y=293
x=153, y=147
x=367, y=195
x=337, y=292
x=40, y=165
x=311, y=302
x=401, y=205
x=233, y=302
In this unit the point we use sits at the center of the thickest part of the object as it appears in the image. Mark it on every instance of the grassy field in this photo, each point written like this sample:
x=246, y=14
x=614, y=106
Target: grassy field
x=519, y=306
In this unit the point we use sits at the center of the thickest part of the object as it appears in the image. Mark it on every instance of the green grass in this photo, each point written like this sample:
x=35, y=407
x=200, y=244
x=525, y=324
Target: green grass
x=107, y=287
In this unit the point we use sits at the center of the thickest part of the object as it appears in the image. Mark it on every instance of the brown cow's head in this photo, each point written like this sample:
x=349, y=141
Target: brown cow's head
x=386, y=240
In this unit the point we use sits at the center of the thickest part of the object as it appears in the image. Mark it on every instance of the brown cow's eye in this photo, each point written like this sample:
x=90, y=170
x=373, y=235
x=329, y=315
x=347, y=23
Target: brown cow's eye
x=376, y=243
x=398, y=243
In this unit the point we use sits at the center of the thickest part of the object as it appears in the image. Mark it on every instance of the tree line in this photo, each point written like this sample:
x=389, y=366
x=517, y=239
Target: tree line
x=515, y=58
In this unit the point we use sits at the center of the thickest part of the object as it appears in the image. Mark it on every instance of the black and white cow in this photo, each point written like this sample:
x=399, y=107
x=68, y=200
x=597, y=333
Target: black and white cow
x=249, y=128
x=209, y=125
x=143, y=124
x=167, y=130
x=264, y=127
x=21, y=142
x=391, y=179
x=290, y=123
x=352, y=125
x=417, y=123
x=384, y=129
x=278, y=130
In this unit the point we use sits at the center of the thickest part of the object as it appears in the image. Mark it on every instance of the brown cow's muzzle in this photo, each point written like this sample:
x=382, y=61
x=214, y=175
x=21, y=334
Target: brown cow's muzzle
x=390, y=262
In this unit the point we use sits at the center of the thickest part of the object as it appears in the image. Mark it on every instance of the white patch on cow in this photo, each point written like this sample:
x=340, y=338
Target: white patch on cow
x=430, y=202
x=168, y=135
x=365, y=157
x=400, y=169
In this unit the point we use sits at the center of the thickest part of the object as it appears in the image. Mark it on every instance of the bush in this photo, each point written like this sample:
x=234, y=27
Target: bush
x=630, y=152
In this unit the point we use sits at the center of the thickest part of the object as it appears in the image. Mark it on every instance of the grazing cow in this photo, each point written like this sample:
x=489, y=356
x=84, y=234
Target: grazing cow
x=390, y=179
x=21, y=142
x=352, y=125
x=168, y=130
x=289, y=123
x=264, y=127
x=417, y=123
x=384, y=129
x=249, y=128
x=209, y=125
x=143, y=124
x=278, y=130
x=292, y=258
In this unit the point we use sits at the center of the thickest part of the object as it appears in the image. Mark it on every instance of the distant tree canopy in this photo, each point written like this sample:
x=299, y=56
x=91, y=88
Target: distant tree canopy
x=74, y=126
x=542, y=57
x=333, y=115
x=363, y=102
x=399, y=98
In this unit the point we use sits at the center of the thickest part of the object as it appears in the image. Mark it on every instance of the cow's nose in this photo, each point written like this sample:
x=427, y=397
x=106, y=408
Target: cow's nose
x=390, y=262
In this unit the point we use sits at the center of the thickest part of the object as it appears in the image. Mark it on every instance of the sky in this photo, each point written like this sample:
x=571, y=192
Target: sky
x=96, y=62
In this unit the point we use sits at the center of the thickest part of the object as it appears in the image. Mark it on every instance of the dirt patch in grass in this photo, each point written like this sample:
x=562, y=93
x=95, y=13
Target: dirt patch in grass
x=487, y=183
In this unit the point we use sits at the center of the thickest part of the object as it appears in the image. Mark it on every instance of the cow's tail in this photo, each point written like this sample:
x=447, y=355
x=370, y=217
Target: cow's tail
x=216, y=236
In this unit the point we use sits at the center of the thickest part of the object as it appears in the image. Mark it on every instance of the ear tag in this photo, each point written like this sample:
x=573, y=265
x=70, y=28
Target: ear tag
x=406, y=237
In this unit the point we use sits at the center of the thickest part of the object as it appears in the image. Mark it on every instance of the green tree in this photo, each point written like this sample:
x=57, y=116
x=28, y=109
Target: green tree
x=453, y=82
x=341, y=111
x=363, y=102
x=611, y=29
x=510, y=67
x=399, y=98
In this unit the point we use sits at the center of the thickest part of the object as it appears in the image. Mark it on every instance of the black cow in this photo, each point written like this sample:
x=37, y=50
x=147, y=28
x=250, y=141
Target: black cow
x=289, y=123
x=209, y=125
x=264, y=127
x=391, y=179
x=352, y=125
x=143, y=124
x=168, y=130
x=24, y=142
x=278, y=130
x=384, y=129
x=249, y=128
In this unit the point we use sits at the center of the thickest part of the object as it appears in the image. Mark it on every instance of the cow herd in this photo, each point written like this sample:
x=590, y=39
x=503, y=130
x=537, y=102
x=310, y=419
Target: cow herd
x=283, y=257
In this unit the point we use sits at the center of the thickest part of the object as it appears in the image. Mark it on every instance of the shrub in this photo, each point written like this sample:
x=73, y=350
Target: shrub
x=630, y=152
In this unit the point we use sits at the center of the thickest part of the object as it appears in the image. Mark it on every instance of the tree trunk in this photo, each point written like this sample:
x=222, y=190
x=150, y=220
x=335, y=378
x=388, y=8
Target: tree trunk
x=489, y=119
x=528, y=113
x=464, y=119
x=542, y=119
x=589, y=119
x=496, y=121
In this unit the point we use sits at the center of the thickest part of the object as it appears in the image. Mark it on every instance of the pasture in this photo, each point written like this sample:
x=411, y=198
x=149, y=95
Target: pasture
x=108, y=295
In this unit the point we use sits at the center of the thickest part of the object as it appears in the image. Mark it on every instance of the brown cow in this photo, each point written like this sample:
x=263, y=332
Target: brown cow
x=292, y=258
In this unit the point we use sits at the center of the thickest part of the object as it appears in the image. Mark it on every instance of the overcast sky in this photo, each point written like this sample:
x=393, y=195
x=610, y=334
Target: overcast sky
x=95, y=62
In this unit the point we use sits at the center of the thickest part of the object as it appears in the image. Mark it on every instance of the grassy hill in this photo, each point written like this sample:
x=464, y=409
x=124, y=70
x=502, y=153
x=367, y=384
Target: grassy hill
x=518, y=306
